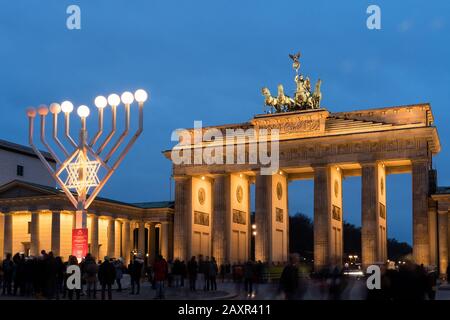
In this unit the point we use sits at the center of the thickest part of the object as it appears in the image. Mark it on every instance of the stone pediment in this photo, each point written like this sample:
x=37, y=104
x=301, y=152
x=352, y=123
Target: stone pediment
x=20, y=189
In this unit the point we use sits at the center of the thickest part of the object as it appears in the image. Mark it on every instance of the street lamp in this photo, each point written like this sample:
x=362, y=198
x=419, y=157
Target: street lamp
x=77, y=171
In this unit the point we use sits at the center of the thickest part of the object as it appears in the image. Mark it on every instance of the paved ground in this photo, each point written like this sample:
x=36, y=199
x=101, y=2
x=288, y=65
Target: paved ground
x=315, y=290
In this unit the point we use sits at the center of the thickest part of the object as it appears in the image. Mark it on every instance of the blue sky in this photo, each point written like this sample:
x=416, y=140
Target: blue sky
x=207, y=60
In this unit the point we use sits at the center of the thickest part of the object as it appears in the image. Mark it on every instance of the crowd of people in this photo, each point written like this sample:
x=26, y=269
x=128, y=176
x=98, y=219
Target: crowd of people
x=46, y=276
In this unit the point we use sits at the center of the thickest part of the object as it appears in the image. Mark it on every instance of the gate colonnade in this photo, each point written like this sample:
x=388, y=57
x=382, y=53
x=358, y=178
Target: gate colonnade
x=212, y=201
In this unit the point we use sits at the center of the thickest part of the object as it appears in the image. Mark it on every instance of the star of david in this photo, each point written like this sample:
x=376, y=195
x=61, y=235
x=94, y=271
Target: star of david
x=82, y=174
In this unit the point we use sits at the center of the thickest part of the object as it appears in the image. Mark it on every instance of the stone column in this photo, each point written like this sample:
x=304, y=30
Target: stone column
x=182, y=217
x=433, y=232
x=263, y=221
x=34, y=233
x=126, y=241
x=443, y=242
x=94, y=237
x=141, y=239
x=221, y=223
x=153, y=251
x=369, y=218
x=373, y=214
x=321, y=218
x=165, y=239
x=111, y=238
x=420, y=185
x=56, y=233
x=8, y=233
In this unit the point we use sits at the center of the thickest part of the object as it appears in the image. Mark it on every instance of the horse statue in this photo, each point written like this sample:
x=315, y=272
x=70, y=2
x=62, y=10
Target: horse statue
x=269, y=100
x=286, y=102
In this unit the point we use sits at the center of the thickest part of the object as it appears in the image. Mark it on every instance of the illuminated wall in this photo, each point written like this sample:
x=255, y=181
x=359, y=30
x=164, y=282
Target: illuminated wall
x=21, y=237
x=2, y=236
x=280, y=218
x=239, y=219
x=382, y=213
x=45, y=231
x=201, y=217
x=66, y=234
x=336, y=215
x=102, y=237
x=117, y=240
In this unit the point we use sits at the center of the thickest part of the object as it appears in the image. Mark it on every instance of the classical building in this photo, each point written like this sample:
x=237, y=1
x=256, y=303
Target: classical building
x=36, y=217
x=212, y=203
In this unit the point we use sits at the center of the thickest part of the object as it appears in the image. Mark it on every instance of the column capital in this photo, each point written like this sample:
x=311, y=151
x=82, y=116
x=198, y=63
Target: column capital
x=368, y=163
x=181, y=178
x=318, y=166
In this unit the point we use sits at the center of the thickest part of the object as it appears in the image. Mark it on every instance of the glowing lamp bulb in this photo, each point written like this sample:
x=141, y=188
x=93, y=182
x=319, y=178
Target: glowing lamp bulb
x=100, y=102
x=42, y=110
x=55, y=108
x=83, y=111
x=140, y=95
x=31, y=112
x=127, y=97
x=67, y=107
x=113, y=100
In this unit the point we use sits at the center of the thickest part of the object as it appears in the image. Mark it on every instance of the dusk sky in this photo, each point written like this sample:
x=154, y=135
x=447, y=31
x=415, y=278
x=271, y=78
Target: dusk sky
x=208, y=60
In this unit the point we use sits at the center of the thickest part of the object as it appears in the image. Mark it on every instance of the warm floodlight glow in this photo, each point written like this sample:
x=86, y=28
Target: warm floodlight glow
x=113, y=100
x=100, y=102
x=31, y=112
x=67, y=107
x=42, y=110
x=140, y=95
x=203, y=177
x=55, y=108
x=83, y=111
x=127, y=97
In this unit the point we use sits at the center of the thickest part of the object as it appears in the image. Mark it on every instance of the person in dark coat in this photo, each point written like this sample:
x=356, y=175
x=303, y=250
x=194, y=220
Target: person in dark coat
x=91, y=270
x=50, y=276
x=8, y=270
x=19, y=274
x=135, y=271
x=212, y=274
x=192, y=268
x=106, y=277
x=60, y=273
x=289, y=278
x=248, y=277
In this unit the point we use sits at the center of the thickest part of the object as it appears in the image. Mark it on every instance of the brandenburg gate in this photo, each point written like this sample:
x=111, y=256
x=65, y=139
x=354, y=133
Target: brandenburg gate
x=212, y=200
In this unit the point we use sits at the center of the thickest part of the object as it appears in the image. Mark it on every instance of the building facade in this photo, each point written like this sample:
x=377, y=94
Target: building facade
x=36, y=217
x=20, y=162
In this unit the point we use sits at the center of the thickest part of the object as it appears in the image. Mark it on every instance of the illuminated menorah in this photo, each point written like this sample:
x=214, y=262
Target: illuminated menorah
x=79, y=171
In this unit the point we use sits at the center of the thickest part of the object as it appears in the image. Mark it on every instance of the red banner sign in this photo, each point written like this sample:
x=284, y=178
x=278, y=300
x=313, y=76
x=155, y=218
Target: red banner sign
x=80, y=243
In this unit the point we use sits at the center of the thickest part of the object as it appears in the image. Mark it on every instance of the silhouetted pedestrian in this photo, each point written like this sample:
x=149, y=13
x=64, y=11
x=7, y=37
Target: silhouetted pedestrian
x=106, y=277
x=192, y=269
